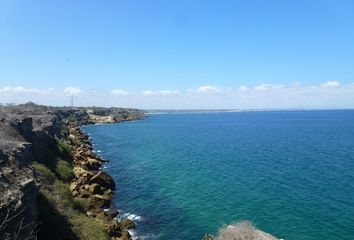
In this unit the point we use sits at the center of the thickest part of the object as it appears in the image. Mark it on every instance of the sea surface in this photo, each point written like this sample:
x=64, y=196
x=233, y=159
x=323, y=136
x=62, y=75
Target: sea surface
x=182, y=175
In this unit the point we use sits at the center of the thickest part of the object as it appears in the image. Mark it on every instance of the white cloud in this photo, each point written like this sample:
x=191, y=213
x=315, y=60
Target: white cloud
x=267, y=87
x=22, y=90
x=72, y=91
x=149, y=93
x=293, y=95
x=331, y=84
x=119, y=92
x=243, y=88
x=5, y=89
x=168, y=92
x=208, y=89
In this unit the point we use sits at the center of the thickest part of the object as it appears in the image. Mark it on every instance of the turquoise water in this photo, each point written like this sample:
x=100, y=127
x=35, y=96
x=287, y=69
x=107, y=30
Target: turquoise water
x=290, y=173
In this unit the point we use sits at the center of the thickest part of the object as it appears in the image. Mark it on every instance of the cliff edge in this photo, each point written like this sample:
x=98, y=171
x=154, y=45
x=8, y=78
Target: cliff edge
x=51, y=182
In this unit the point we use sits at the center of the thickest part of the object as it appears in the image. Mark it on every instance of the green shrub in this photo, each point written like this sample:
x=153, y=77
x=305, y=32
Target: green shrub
x=87, y=228
x=53, y=224
x=58, y=206
x=62, y=147
x=44, y=171
x=65, y=198
x=81, y=204
x=64, y=170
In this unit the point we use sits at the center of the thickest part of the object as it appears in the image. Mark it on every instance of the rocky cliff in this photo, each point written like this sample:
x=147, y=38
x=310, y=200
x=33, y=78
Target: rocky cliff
x=51, y=184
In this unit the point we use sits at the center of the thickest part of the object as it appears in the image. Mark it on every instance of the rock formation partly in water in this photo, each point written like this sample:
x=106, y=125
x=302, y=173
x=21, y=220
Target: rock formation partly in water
x=240, y=231
x=51, y=182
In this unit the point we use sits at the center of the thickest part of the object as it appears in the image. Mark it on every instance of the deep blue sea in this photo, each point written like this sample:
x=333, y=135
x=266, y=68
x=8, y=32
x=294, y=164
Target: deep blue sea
x=181, y=175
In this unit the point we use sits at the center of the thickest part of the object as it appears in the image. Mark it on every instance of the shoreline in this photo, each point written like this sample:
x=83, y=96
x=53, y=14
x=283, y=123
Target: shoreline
x=86, y=162
x=53, y=183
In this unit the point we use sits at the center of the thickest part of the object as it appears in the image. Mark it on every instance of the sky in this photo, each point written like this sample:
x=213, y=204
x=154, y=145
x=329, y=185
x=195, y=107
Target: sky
x=157, y=54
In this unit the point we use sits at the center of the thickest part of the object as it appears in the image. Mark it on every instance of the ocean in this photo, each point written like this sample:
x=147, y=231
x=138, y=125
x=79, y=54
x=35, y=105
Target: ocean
x=291, y=173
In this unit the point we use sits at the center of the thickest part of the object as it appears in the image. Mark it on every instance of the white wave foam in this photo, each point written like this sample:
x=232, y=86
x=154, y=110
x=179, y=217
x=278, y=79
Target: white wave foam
x=131, y=216
x=134, y=235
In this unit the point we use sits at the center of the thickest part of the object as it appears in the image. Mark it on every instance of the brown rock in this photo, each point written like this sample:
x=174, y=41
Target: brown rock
x=75, y=193
x=104, y=180
x=84, y=193
x=94, y=163
x=127, y=224
x=89, y=153
x=77, y=156
x=94, y=188
x=107, y=192
x=73, y=186
x=125, y=236
x=112, y=213
x=80, y=172
x=72, y=131
x=99, y=201
x=114, y=229
x=104, y=197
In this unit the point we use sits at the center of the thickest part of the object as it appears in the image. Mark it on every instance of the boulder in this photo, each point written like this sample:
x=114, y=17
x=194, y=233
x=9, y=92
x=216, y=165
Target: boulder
x=73, y=186
x=77, y=156
x=75, y=193
x=84, y=193
x=94, y=188
x=127, y=224
x=112, y=212
x=72, y=131
x=94, y=163
x=104, y=197
x=113, y=228
x=107, y=192
x=80, y=172
x=125, y=236
x=89, y=153
x=104, y=180
x=98, y=201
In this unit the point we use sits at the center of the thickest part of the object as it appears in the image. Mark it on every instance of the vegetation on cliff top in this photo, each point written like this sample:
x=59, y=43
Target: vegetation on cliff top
x=63, y=216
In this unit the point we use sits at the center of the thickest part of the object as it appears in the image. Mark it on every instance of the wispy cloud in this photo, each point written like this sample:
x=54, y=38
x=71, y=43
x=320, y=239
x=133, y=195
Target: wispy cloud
x=72, y=91
x=119, y=92
x=242, y=89
x=331, y=84
x=208, y=89
x=267, y=87
x=150, y=93
x=20, y=89
x=331, y=94
x=5, y=89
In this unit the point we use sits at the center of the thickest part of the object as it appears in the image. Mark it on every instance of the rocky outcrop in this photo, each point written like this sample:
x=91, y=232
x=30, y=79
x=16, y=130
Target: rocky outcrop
x=241, y=231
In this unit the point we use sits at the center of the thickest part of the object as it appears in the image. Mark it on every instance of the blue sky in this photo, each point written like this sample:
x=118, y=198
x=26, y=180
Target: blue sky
x=179, y=54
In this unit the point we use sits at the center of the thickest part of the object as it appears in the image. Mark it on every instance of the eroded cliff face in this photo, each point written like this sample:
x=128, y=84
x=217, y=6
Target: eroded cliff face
x=23, y=138
x=27, y=135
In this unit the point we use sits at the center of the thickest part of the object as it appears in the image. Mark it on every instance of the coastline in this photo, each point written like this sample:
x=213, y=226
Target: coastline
x=92, y=182
x=52, y=181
